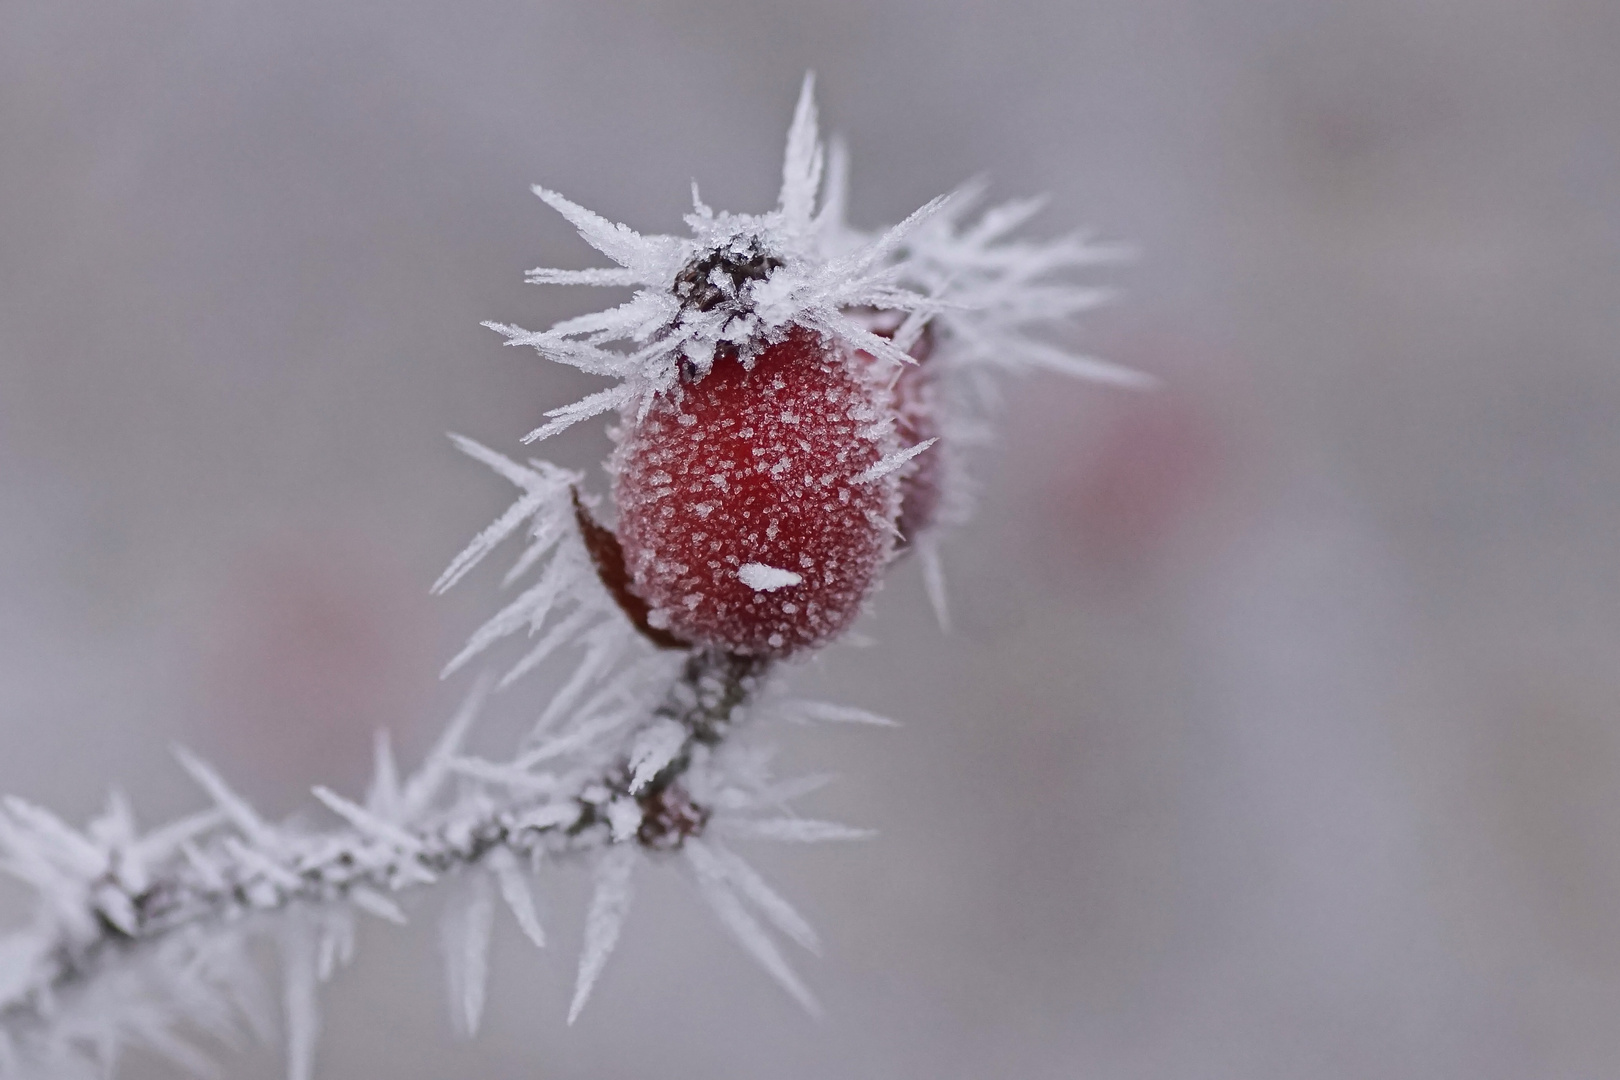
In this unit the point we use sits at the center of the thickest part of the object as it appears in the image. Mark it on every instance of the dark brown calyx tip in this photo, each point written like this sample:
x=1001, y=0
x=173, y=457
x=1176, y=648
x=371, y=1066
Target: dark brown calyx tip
x=699, y=286
x=607, y=556
x=669, y=818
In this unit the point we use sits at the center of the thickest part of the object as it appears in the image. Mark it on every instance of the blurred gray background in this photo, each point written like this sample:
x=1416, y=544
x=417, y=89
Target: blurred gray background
x=1279, y=733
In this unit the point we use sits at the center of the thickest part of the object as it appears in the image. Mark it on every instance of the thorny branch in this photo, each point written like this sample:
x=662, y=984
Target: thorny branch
x=622, y=806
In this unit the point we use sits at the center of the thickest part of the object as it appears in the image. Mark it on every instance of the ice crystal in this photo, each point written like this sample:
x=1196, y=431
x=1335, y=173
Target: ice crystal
x=717, y=877
x=762, y=578
x=610, y=903
x=892, y=462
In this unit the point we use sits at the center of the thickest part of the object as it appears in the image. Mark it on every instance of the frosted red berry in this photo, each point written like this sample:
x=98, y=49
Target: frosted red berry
x=744, y=517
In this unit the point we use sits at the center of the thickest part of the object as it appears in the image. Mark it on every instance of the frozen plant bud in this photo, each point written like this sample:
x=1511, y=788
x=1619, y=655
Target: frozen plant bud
x=781, y=380
x=744, y=518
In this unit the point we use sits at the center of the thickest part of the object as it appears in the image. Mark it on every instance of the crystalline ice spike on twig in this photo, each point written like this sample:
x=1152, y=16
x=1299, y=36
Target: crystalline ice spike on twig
x=610, y=903
x=717, y=889
x=465, y=931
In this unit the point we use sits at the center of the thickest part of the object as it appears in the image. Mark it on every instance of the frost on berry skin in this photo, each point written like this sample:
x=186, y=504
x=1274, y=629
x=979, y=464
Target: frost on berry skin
x=748, y=478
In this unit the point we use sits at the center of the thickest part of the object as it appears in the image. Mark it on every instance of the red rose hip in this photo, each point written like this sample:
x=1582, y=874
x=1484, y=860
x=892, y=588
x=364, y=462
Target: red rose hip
x=744, y=517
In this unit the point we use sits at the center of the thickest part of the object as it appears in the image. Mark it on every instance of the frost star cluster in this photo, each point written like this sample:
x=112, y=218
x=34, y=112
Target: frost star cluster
x=745, y=281
x=791, y=397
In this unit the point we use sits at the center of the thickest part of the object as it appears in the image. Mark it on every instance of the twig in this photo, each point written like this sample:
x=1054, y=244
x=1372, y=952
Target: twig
x=256, y=869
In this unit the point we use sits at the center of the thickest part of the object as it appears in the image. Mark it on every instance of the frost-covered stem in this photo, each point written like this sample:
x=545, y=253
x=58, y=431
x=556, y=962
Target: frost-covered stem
x=240, y=874
x=703, y=701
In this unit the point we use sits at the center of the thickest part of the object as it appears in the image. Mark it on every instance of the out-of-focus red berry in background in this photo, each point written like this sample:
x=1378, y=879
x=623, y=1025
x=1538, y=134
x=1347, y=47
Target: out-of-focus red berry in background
x=1121, y=483
x=311, y=645
x=1133, y=478
x=1153, y=455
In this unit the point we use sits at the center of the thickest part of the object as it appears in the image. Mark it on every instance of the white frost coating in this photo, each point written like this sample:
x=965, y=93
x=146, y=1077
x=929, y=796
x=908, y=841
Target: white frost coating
x=762, y=578
x=828, y=713
x=375, y=903
x=519, y=899
x=712, y=879
x=464, y=934
x=567, y=604
x=298, y=978
x=933, y=573
x=365, y=821
x=334, y=942
x=982, y=292
x=421, y=789
x=610, y=903
x=383, y=796
x=623, y=818
x=890, y=462
x=652, y=750
x=775, y=796
x=542, y=484
x=302, y=889
x=783, y=915
x=798, y=830
x=233, y=806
